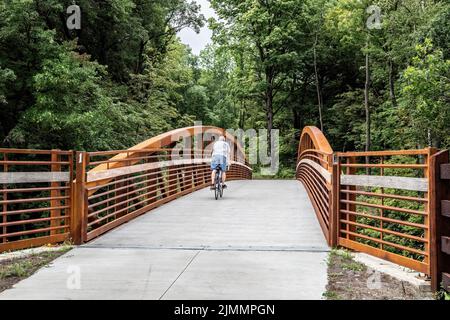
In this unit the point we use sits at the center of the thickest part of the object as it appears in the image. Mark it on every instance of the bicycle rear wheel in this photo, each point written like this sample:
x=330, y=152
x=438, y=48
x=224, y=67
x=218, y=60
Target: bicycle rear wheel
x=217, y=185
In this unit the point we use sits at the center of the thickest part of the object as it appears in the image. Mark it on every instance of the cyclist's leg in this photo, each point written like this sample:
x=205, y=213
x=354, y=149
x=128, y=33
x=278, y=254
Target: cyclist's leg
x=224, y=171
x=213, y=173
x=213, y=176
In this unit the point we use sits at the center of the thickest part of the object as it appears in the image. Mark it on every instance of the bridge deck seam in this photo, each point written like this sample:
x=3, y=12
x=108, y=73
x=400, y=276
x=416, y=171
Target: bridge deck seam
x=181, y=273
x=211, y=248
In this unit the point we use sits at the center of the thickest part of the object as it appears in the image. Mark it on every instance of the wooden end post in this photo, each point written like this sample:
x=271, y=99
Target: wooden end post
x=79, y=218
x=439, y=193
x=334, y=208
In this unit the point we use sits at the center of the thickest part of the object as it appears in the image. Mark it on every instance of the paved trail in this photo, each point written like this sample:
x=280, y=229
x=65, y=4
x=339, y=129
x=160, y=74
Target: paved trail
x=261, y=241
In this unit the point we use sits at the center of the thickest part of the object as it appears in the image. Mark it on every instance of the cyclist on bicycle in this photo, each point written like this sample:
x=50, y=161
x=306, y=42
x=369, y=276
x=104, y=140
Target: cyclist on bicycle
x=220, y=156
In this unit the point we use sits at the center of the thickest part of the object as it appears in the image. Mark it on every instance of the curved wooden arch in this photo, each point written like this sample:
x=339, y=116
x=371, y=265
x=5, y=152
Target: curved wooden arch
x=313, y=138
x=314, y=170
x=166, y=139
x=134, y=181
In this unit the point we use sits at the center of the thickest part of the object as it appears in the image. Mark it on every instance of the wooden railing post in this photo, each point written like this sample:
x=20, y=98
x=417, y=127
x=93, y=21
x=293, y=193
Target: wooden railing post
x=426, y=221
x=79, y=200
x=439, y=204
x=334, y=207
x=55, y=194
x=5, y=203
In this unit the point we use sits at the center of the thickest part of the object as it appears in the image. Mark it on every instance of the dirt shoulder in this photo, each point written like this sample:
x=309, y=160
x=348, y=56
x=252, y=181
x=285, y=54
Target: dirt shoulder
x=351, y=280
x=14, y=270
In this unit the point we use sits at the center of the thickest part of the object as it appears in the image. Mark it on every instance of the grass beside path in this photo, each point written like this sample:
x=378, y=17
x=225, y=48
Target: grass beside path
x=16, y=269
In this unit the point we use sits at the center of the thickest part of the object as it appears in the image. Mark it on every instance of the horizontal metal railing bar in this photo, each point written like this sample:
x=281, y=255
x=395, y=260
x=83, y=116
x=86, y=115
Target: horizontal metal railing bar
x=22, y=233
x=34, y=151
x=14, y=223
x=24, y=190
x=383, y=231
x=315, y=151
x=385, y=219
x=387, y=243
x=384, y=195
x=387, y=165
x=309, y=154
x=33, y=200
x=8, y=213
x=382, y=153
x=383, y=207
x=110, y=152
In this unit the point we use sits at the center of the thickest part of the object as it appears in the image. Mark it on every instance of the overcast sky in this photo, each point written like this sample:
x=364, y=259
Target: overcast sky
x=198, y=41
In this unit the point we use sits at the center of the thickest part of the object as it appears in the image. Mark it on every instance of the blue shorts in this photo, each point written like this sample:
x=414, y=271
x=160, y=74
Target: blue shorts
x=219, y=160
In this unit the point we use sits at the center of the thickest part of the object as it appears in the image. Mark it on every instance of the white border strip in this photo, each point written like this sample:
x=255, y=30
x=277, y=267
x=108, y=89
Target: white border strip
x=33, y=177
x=392, y=182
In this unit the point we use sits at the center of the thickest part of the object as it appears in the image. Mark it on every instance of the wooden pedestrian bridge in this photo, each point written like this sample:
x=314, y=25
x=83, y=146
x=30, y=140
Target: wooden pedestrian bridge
x=146, y=223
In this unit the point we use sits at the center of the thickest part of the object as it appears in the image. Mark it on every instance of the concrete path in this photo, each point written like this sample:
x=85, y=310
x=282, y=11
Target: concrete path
x=261, y=241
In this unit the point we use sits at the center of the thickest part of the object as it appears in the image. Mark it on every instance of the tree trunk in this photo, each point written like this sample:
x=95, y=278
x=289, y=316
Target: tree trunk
x=391, y=83
x=140, y=59
x=296, y=118
x=242, y=115
x=269, y=113
x=319, y=96
x=366, y=102
x=269, y=95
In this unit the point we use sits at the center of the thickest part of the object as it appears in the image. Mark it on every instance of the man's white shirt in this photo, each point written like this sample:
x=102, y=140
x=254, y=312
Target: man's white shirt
x=221, y=148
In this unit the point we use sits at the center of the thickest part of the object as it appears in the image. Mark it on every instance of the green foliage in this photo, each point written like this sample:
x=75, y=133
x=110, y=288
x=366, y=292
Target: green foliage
x=120, y=80
x=20, y=269
x=126, y=77
x=408, y=76
x=343, y=253
x=425, y=96
x=330, y=295
x=353, y=266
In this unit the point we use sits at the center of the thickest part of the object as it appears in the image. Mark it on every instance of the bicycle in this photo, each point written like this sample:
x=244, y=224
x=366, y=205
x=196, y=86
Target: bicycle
x=218, y=185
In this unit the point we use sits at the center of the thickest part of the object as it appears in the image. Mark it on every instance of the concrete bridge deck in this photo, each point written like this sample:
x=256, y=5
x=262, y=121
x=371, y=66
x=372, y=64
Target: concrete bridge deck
x=261, y=241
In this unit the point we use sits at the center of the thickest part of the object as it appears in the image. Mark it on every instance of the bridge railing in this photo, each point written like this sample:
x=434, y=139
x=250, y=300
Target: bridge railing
x=383, y=205
x=389, y=204
x=314, y=169
x=115, y=186
x=35, y=197
x=49, y=196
